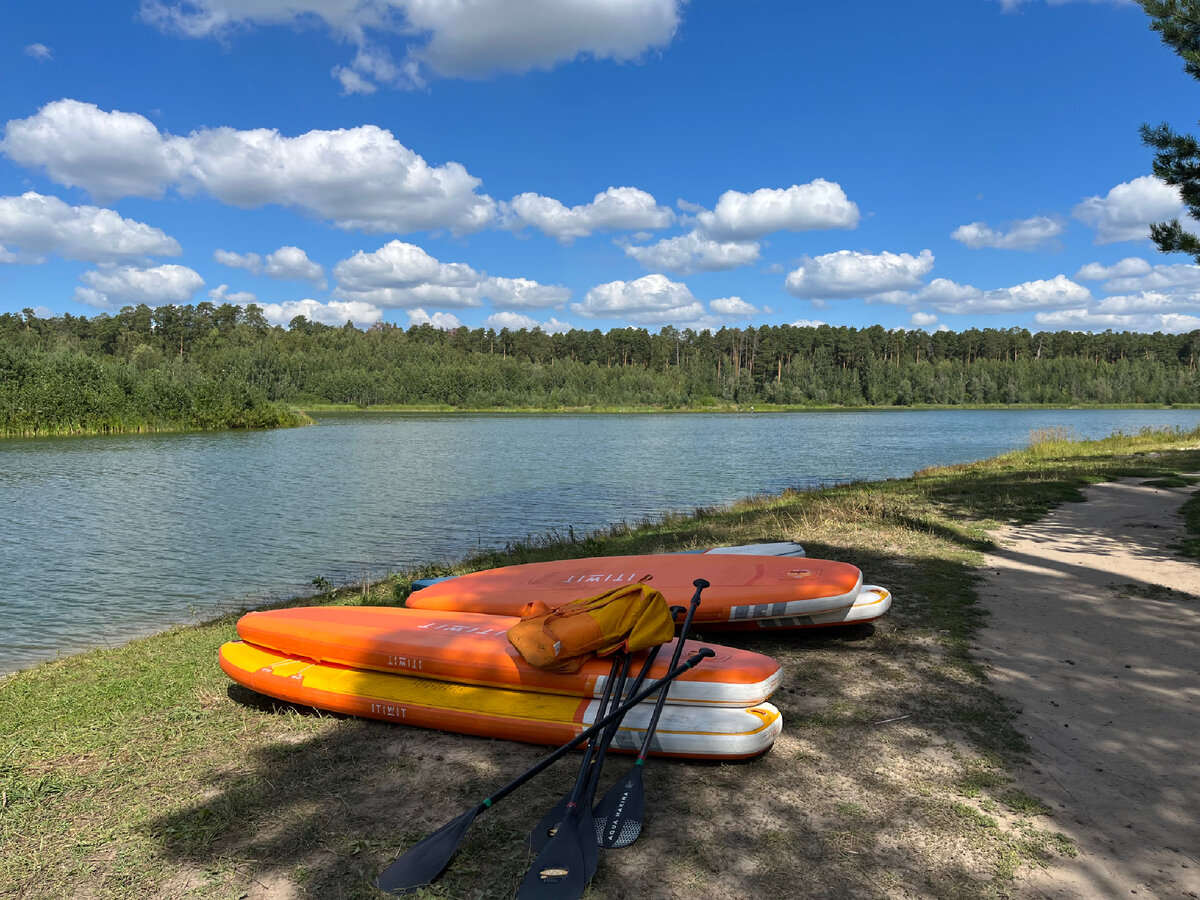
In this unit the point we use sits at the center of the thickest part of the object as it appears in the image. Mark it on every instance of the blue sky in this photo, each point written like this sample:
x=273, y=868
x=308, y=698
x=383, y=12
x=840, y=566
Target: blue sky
x=594, y=163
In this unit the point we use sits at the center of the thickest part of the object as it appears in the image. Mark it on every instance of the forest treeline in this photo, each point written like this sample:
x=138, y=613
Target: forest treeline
x=209, y=366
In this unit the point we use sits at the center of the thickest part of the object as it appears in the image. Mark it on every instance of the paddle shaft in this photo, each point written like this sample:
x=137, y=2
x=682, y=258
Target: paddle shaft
x=599, y=725
x=700, y=584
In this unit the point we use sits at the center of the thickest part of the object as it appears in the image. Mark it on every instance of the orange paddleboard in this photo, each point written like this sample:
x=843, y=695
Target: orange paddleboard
x=741, y=587
x=472, y=648
x=696, y=732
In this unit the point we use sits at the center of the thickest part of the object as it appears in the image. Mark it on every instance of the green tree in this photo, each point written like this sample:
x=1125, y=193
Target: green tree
x=1177, y=156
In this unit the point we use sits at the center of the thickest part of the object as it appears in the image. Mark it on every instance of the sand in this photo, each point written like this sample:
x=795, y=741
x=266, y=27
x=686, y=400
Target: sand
x=1094, y=634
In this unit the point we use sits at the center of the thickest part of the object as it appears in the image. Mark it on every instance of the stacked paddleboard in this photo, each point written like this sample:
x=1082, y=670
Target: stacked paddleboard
x=456, y=671
x=746, y=592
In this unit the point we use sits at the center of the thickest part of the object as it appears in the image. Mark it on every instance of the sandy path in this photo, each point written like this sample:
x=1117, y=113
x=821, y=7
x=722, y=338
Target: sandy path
x=1095, y=635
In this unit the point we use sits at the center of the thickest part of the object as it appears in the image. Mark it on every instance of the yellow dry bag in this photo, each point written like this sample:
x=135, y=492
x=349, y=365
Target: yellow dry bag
x=632, y=617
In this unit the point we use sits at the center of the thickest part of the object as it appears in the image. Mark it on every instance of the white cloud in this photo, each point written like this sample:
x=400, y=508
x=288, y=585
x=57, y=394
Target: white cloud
x=1089, y=320
x=449, y=38
x=949, y=297
x=1126, y=212
x=650, y=300
x=40, y=52
x=1027, y=234
x=1158, y=278
x=358, y=178
x=352, y=82
x=1130, y=265
x=847, y=273
x=404, y=276
x=251, y=262
x=441, y=320
x=694, y=252
x=220, y=294
x=286, y=264
x=624, y=208
x=516, y=321
x=1014, y=5
x=733, y=307
x=116, y=287
x=292, y=264
x=37, y=224
x=922, y=320
x=802, y=207
x=523, y=293
x=808, y=323
x=335, y=312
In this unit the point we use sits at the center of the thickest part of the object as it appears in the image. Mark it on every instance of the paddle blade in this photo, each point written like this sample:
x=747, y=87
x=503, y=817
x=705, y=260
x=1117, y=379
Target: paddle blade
x=619, y=814
x=546, y=828
x=562, y=870
x=427, y=859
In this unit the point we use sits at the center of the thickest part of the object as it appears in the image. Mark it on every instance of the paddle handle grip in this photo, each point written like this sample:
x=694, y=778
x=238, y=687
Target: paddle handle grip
x=691, y=662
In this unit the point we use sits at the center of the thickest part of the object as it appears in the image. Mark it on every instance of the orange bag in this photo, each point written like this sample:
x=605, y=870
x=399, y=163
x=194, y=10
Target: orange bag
x=632, y=617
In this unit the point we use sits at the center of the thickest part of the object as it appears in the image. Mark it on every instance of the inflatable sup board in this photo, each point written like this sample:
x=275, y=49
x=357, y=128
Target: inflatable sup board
x=694, y=732
x=472, y=648
x=741, y=587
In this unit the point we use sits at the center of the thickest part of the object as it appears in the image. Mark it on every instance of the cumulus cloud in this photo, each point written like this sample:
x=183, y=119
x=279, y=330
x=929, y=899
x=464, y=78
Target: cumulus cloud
x=616, y=208
x=36, y=225
x=446, y=38
x=115, y=287
x=334, y=312
x=802, y=207
x=516, y=321
x=286, y=264
x=650, y=300
x=847, y=273
x=947, y=296
x=1027, y=234
x=442, y=320
x=1126, y=212
x=40, y=52
x=221, y=294
x=1090, y=320
x=1130, y=265
x=808, y=323
x=1158, y=278
x=734, y=307
x=922, y=320
x=358, y=178
x=1014, y=5
x=403, y=276
x=694, y=252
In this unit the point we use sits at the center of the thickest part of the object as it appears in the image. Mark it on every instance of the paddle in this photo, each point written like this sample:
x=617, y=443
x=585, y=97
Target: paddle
x=566, y=864
x=545, y=829
x=618, y=816
x=549, y=823
x=428, y=858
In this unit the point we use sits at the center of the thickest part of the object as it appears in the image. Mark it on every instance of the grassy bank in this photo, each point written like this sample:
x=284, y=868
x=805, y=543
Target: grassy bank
x=311, y=408
x=140, y=771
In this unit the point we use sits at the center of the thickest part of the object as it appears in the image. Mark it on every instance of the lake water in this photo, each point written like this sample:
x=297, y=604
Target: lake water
x=105, y=538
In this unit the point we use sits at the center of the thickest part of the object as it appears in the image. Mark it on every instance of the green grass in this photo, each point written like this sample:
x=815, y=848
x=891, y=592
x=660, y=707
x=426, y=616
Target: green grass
x=141, y=771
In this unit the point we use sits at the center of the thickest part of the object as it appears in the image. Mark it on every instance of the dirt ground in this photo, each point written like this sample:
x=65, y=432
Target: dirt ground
x=1094, y=634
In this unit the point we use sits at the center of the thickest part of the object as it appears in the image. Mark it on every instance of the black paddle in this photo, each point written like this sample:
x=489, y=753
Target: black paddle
x=618, y=816
x=546, y=828
x=566, y=864
x=428, y=858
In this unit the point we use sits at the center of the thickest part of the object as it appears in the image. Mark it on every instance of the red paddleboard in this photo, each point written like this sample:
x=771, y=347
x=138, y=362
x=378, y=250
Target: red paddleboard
x=741, y=587
x=472, y=648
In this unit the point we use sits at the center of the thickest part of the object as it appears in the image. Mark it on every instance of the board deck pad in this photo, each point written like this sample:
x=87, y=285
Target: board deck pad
x=693, y=731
